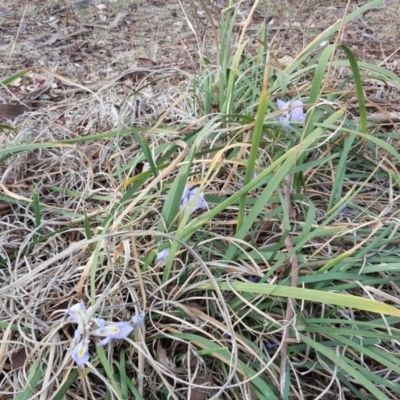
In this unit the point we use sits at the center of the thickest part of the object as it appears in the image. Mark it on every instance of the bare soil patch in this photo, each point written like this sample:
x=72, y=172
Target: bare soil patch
x=93, y=42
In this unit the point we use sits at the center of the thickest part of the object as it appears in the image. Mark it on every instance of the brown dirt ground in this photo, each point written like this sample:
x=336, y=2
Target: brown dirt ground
x=92, y=42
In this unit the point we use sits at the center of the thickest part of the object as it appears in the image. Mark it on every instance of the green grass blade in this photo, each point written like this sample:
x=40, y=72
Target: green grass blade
x=147, y=152
x=88, y=232
x=280, y=173
x=341, y=362
x=317, y=83
x=344, y=300
x=107, y=369
x=340, y=173
x=255, y=144
x=37, y=211
x=36, y=373
x=223, y=354
x=359, y=87
x=62, y=391
x=123, y=375
x=363, y=350
x=7, y=127
x=10, y=79
x=134, y=390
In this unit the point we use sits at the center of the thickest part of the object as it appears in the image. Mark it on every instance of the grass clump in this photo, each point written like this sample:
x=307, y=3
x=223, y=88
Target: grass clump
x=282, y=284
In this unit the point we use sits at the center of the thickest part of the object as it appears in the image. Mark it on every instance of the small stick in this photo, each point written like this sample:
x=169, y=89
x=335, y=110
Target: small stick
x=294, y=276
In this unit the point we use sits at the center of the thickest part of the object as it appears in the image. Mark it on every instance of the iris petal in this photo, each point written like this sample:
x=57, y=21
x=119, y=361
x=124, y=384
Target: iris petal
x=118, y=330
x=297, y=113
x=80, y=353
x=292, y=111
x=282, y=105
x=185, y=197
x=200, y=202
x=99, y=322
x=103, y=342
x=78, y=313
x=163, y=255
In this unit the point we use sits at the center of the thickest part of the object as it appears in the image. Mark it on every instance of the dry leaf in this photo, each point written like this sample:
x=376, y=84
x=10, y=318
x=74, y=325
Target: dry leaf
x=50, y=41
x=36, y=77
x=11, y=111
x=201, y=393
x=386, y=117
x=4, y=208
x=161, y=357
x=18, y=359
x=286, y=60
x=117, y=20
x=101, y=7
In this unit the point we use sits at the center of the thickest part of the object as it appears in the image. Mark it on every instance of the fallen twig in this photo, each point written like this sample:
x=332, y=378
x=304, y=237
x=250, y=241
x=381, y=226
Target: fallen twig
x=294, y=275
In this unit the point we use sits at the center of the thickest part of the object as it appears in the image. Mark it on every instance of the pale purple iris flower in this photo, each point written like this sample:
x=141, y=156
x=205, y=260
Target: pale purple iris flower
x=163, y=255
x=292, y=111
x=188, y=195
x=116, y=330
x=78, y=314
x=80, y=353
x=105, y=330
